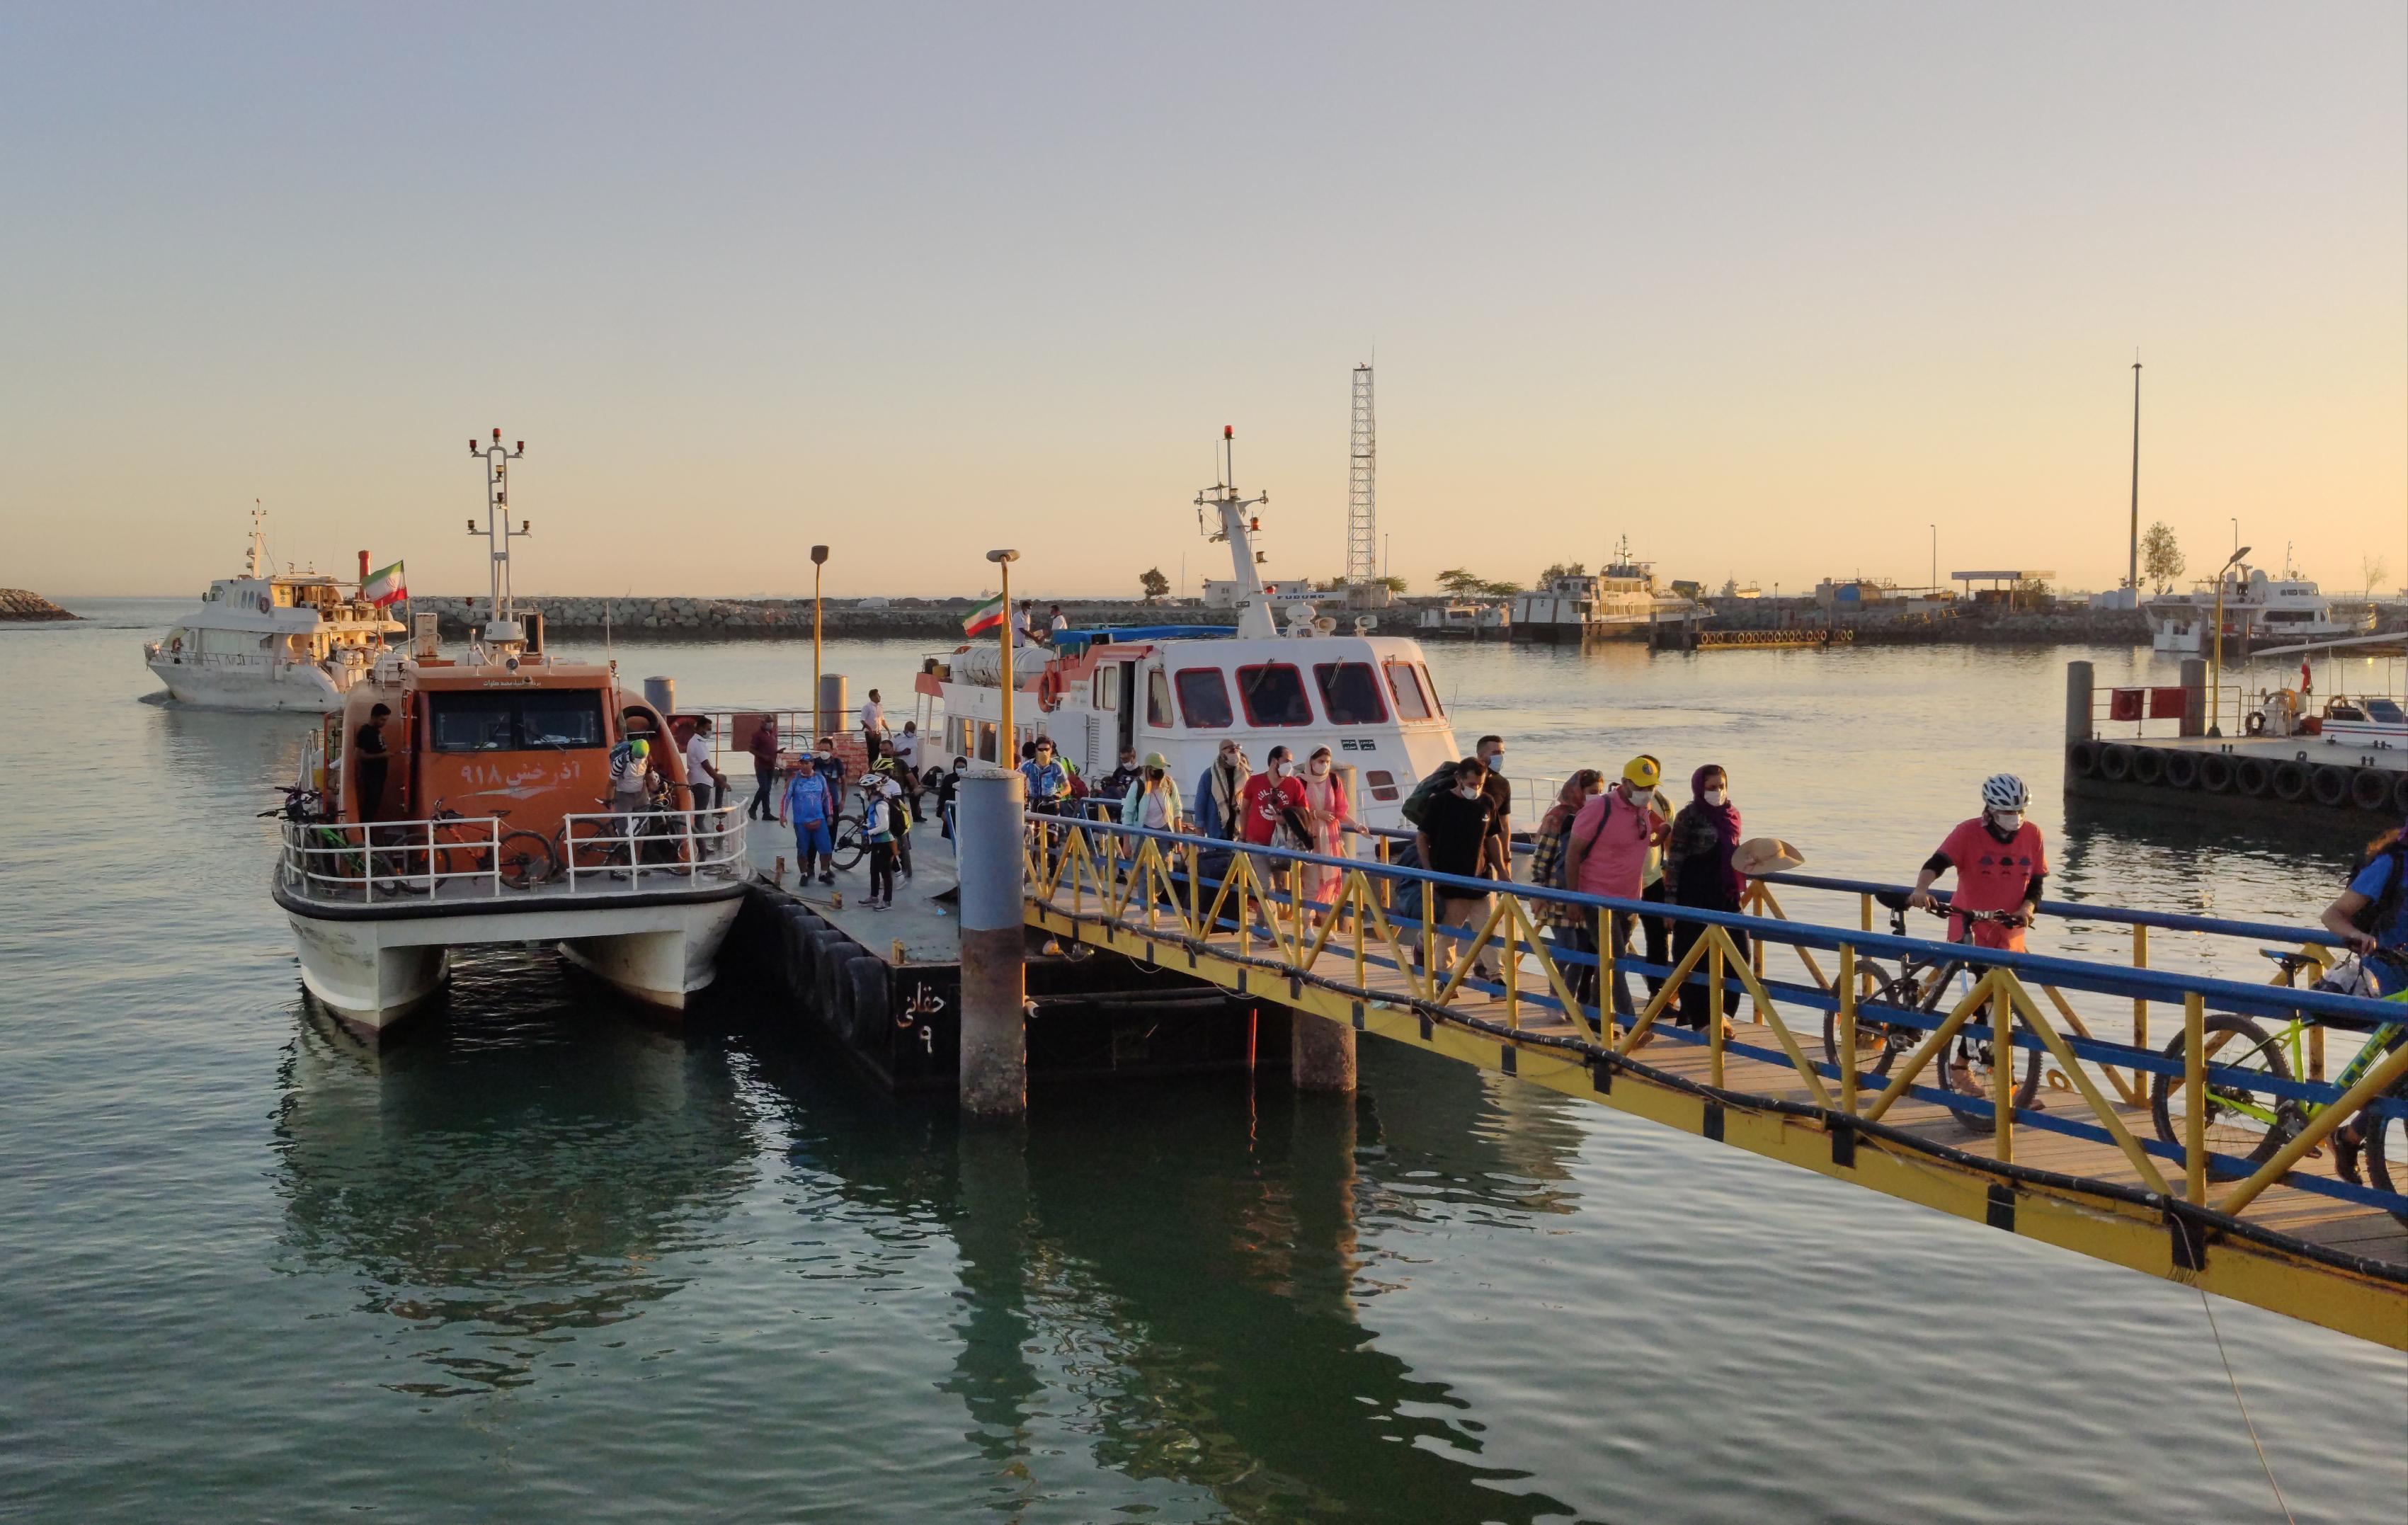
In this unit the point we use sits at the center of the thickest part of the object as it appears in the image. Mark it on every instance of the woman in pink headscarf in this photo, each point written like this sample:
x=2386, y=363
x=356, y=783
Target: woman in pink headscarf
x=1697, y=865
x=1324, y=806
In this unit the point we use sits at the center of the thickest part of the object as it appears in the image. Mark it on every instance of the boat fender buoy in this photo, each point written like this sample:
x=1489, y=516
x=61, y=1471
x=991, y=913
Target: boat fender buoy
x=1049, y=690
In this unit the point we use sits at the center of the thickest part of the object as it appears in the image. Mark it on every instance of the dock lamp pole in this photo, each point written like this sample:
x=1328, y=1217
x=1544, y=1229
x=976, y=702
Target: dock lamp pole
x=819, y=559
x=1005, y=749
x=2216, y=657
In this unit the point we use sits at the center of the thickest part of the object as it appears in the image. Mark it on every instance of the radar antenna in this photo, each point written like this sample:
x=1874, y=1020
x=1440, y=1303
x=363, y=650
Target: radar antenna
x=502, y=635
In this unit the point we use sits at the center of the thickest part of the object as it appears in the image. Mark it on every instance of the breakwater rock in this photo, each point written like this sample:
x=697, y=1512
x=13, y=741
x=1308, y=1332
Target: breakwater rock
x=18, y=604
x=788, y=619
x=1966, y=627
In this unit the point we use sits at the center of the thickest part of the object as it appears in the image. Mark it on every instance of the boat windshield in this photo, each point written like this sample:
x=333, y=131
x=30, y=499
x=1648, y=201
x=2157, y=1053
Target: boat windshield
x=2387, y=711
x=516, y=722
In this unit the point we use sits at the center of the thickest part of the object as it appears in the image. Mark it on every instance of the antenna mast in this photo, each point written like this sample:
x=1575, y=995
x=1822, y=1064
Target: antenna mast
x=1222, y=505
x=502, y=633
x=2133, y=577
x=1363, y=585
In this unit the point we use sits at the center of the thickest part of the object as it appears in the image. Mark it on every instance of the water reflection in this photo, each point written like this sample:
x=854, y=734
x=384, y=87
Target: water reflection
x=525, y=1167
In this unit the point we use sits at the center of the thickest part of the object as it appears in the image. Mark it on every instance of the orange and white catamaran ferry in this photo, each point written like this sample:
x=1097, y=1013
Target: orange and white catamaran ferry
x=469, y=800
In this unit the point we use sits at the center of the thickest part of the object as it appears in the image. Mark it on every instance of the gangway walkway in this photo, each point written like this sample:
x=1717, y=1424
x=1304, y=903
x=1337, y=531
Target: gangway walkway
x=2081, y=1166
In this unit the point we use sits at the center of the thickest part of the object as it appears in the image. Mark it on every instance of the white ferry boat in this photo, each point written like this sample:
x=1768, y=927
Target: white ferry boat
x=1181, y=691
x=266, y=641
x=1619, y=602
x=2257, y=609
x=476, y=811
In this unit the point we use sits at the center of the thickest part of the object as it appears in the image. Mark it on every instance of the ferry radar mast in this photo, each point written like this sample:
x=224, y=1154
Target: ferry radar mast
x=503, y=636
x=1254, y=616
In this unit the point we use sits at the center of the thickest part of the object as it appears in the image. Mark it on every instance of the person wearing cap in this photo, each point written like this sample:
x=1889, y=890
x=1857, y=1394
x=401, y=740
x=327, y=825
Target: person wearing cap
x=810, y=804
x=1606, y=850
x=630, y=786
x=1152, y=800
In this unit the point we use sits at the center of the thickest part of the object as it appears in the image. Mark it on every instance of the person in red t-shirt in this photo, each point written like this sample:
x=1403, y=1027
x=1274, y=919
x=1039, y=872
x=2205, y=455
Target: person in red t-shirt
x=1264, y=806
x=2000, y=862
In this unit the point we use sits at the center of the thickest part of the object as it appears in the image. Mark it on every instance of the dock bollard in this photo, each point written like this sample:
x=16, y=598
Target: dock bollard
x=987, y=810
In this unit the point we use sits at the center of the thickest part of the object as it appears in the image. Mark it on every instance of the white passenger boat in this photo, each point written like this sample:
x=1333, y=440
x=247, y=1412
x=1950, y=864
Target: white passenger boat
x=1619, y=602
x=488, y=822
x=2257, y=609
x=270, y=640
x=1181, y=691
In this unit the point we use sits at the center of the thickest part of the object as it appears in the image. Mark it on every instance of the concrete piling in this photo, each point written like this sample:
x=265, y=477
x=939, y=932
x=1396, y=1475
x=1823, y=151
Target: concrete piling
x=1320, y=1054
x=2078, y=687
x=988, y=808
x=2194, y=682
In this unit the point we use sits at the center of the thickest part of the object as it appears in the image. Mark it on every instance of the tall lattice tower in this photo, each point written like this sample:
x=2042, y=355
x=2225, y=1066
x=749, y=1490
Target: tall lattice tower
x=1363, y=585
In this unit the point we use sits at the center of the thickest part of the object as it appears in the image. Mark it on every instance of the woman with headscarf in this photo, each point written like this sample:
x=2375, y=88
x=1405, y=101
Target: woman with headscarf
x=1219, y=791
x=1324, y=808
x=1573, y=926
x=1697, y=864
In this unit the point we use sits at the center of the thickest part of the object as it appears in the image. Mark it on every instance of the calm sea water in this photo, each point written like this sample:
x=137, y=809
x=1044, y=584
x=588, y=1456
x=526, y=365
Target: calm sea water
x=545, y=1262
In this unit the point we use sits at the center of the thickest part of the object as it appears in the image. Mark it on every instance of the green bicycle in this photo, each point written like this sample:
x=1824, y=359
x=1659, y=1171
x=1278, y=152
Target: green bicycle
x=2253, y=1123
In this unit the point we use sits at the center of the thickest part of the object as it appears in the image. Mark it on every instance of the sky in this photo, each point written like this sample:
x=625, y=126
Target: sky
x=1771, y=290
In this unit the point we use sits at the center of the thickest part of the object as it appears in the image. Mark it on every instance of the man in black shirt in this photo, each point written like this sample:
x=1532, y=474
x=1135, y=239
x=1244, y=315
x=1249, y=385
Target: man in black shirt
x=369, y=756
x=1456, y=837
x=1490, y=750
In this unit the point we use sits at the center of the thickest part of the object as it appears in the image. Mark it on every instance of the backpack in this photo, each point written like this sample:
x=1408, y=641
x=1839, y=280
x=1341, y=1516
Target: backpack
x=1416, y=805
x=2379, y=910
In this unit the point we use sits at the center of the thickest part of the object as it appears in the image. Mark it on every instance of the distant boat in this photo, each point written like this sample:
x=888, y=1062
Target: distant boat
x=265, y=641
x=1618, y=603
x=2257, y=609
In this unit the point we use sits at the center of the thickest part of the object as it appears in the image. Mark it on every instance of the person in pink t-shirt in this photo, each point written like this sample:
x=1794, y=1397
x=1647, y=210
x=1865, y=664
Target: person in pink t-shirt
x=1605, y=853
x=2001, y=863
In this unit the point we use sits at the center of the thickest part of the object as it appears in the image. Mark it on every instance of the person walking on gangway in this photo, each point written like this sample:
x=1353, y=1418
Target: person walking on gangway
x=704, y=782
x=810, y=804
x=764, y=747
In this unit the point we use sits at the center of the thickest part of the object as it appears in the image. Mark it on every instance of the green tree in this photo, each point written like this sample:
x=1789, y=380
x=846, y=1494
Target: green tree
x=1500, y=590
x=1395, y=585
x=1561, y=570
x=1458, y=584
x=1154, y=584
x=2161, y=559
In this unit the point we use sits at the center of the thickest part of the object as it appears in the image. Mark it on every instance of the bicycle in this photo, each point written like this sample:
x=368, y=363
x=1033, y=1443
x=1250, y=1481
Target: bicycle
x=525, y=856
x=1967, y=1065
x=353, y=861
x=2253, y=1123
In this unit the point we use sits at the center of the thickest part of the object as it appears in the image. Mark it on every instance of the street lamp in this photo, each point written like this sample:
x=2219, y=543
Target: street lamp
x=1935, y=558
x=1007, y=745
x=2215, y=655
x=819, y=559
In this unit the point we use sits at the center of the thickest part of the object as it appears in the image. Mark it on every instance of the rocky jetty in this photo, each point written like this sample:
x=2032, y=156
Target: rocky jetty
x=18, y=604
x=786, y=619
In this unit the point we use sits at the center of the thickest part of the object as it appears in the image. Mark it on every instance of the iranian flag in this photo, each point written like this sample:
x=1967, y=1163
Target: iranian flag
x=385, y=587
x=986, y=616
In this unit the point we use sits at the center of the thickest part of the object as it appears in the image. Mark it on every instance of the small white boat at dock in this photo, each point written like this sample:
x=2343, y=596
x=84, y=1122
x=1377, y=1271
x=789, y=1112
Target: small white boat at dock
x=272, y=641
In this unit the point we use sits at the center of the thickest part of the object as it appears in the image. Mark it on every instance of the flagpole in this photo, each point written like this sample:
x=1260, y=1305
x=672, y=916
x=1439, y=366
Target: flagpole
x=1006, y=751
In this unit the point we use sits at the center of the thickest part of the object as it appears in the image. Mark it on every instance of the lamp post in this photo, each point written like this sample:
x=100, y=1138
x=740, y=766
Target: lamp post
x=2216, y=655
x=819, y=559
x=1935, y=558
x=1005, y=748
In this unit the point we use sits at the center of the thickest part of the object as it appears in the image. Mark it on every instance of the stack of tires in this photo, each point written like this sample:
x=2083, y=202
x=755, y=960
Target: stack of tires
x=2335, y=785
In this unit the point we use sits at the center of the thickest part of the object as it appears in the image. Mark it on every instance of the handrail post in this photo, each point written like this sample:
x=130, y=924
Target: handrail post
x=1848, y=1028
x=2195, y=1097
x=1509, y=956
x=1714, y=1003
x=1381, y=850
x=2003, y=1072
x=2140, y=1004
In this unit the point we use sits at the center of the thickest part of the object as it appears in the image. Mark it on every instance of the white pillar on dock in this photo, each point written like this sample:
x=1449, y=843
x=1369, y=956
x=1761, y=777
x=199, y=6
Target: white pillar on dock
x=2078, y=683
x=2194, y=682
x=995, y=1043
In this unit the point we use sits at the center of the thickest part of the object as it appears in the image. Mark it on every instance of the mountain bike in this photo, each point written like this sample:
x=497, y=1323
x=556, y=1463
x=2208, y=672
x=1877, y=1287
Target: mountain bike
x=1921, y=985
x=2251, y=1121
x=328, y=842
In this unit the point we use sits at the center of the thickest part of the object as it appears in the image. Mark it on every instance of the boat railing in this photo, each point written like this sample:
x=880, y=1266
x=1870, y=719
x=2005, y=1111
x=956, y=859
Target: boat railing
x=456, y=858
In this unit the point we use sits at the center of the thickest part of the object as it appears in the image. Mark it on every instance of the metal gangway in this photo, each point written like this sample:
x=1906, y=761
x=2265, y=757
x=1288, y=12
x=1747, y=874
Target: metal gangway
x=1829, y=1065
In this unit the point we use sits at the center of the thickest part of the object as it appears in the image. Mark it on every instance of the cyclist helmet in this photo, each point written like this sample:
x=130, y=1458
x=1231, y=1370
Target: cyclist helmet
x=2004, y=791
x=884, y=765
x=639, y=747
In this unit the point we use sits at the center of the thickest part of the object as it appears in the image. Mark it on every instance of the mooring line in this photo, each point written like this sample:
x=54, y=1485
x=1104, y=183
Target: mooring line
x=2280, y=1503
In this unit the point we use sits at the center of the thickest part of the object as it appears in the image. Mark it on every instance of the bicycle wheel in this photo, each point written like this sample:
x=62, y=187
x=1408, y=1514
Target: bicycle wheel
x=526, y=860
x=2384, y=1145
x=1968, y=1067
x=849, y=843
x=1878, y=1043
x=2239, y=1119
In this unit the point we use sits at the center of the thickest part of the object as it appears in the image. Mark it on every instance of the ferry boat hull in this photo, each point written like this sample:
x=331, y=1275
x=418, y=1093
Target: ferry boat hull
x=374, y=970
x=280, y=685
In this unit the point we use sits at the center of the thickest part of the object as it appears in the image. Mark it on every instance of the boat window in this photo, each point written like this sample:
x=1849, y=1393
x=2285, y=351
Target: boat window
x=1430, y=689
x=559, y=717
x=2343, y=709
x=1274, y=695
x=1382, y=783
x=1411, y=705
x=2383, y=711
x=1350, y=694
x=1204, y=697
x=1157, y=699
x=987, y=741
x=1108, y=687
x=473, y=722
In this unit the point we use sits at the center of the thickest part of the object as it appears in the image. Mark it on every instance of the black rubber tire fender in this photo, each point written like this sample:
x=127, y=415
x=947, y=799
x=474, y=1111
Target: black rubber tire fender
x=2399, y=794
x=2115, y=762
x=2329, y=785
x=2290, y=780
x=2251, y=776
x=2182, y=770
x=795, y=928
x=2082, y=758
x=2215, y=773
x=867, y=1000
x=2148, y=766
x=2370, y=788
x=827, y=964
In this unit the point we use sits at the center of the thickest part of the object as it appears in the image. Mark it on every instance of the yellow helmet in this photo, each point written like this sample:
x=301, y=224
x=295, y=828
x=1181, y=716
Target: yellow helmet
x=1642, y=773
x=640, y=747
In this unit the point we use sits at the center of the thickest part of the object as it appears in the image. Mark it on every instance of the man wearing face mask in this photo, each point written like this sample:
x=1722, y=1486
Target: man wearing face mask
x=1270, y=799
x=1218, y=792
x=1499, y=790
x=1456, y=835
x=2001, y=865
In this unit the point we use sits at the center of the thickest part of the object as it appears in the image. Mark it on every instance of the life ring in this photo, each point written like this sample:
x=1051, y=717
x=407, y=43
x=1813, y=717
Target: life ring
x=2256, y=725
x=1049, y=690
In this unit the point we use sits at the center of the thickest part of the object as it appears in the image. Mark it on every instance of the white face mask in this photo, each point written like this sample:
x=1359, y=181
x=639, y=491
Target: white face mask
x=1285, y=767
x=1320, y=766
x=2009, y=822
x=1716, y=796
x=1470, y=791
